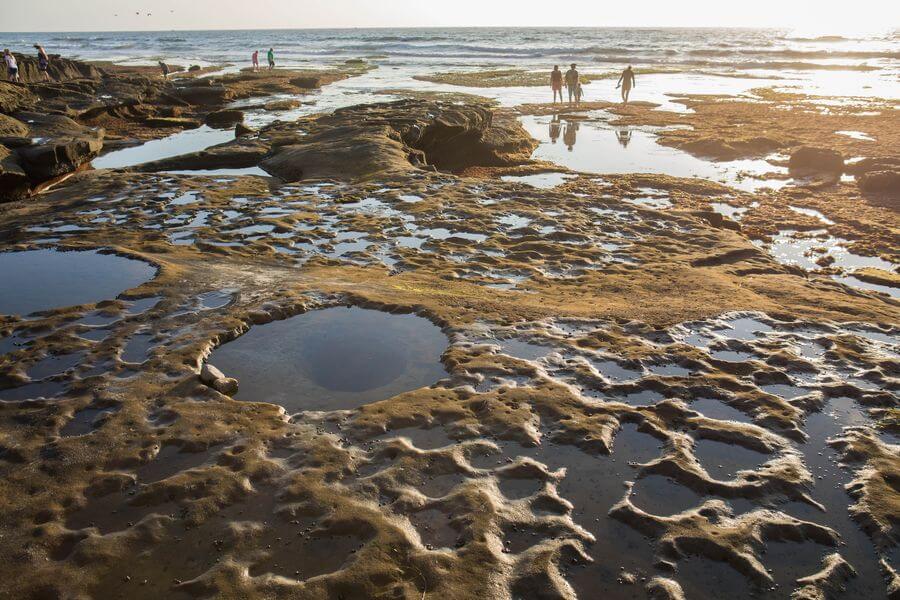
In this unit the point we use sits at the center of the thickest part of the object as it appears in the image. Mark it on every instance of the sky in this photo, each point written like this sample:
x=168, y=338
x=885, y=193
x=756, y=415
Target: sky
x=805, y=16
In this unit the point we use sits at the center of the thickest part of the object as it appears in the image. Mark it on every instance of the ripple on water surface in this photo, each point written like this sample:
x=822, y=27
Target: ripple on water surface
x=333, y=359
x=46, y=279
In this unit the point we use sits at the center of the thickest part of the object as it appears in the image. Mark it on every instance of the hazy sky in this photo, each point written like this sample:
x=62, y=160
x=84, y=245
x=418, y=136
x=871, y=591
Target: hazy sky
x=814, y=16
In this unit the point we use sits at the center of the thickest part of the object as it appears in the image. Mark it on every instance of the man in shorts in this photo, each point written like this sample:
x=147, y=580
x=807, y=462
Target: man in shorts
x=271, y=57
x=572, y=82
x=43, y=62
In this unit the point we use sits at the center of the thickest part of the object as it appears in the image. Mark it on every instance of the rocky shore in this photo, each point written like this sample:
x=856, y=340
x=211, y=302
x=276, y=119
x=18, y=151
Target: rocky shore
x=638, y=396
x=86, y=108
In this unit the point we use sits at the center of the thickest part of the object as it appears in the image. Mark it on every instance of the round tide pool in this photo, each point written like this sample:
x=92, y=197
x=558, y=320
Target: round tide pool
x=333, y=359
x=38, y=280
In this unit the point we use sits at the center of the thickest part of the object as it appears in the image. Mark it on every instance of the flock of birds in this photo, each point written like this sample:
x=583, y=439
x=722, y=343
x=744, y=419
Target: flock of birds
x=138, y=13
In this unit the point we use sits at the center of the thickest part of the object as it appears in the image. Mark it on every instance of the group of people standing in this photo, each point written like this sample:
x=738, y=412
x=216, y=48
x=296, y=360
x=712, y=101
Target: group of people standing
x=270, y=55
x=572, y=82
x=12, y=66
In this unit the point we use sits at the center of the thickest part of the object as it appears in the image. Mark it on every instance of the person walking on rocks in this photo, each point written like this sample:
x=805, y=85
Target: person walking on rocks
x=271, y=57
x=43, y=62
x=165, y=69
x=12, y=67
x=626, y=82
x=556, y=83
x=255, y=59
x=572, y=82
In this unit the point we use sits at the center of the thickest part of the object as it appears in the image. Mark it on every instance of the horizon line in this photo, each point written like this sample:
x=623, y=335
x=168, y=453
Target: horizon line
x=411, y=27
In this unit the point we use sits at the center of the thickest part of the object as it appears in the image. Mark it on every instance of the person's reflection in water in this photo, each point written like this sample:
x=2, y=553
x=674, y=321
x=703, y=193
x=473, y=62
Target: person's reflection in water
x=571, y=134
x=555, y=128
x=624, y=136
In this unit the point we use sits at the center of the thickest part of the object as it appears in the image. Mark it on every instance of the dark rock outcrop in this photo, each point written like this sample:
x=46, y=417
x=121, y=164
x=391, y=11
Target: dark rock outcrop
x=224, y=118
x=15, y=98
x=363, y=141
x=10, y=127
x=13, y=180
x=204, y=95
x=239, y=154
x=719, y=149
x=810, y=159
x=59, y=69
x=53, y=145
x=881, y=182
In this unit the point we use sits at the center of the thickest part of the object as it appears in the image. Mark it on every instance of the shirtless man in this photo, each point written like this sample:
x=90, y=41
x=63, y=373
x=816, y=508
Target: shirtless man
x=626, y=82
x=572, y=82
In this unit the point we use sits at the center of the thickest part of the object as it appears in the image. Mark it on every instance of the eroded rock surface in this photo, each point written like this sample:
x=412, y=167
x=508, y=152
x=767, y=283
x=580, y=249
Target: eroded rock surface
x=638, y=399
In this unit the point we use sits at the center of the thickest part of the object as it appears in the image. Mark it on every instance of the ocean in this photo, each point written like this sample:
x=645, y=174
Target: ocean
x=724, y=52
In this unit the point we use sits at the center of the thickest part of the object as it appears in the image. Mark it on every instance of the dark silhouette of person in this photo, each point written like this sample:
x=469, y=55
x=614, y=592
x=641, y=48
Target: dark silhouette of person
x=571, y=134
x=626, y=82
x=556, y=83
x=624, y=136
x=572, y=82
x=555, y=126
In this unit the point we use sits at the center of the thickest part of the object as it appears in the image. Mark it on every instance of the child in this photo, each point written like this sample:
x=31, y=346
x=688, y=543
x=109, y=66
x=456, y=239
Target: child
x=12, y=67
x=579, y=93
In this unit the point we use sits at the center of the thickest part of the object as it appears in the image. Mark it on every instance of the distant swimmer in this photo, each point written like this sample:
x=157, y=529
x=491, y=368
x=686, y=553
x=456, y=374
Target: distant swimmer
x=626, y=82
x=43, y=62
x=255, y=59
x=572, y=82
x=12, y=67
x=556, y=83
x=165, y=69
x=271, y=57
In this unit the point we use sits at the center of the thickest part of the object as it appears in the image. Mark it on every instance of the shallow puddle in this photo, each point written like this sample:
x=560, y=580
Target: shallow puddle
x=54, y=365
x=663, y=497
x=85, y=421
x=46, y=279
x=812, y=250
x=336, y=358
x=592, y=147
x=542, y=181
x=523, y=350
x=177, y=144
x=722, y=461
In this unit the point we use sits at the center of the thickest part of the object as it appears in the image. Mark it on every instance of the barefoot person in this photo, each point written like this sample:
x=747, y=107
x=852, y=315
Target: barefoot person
x=626, y=82
x=165, y=69
x=572, y=82
x=271, y=57
x=255, y=59
x=43, y=62
x=556, y=83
